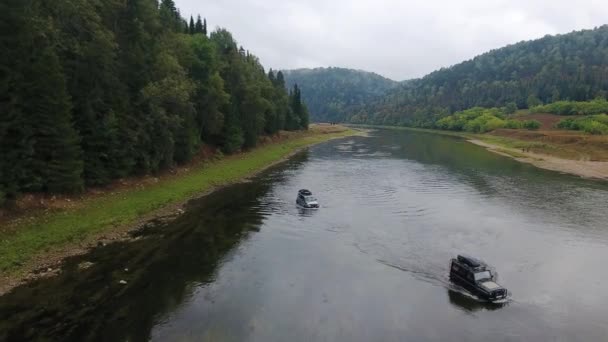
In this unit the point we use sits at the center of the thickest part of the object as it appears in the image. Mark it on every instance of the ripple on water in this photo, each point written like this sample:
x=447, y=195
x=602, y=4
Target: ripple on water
x=413, y=212
x=377, y=154
x=433, y=182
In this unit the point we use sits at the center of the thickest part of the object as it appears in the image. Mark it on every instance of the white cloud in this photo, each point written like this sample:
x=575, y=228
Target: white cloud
x=398, y=39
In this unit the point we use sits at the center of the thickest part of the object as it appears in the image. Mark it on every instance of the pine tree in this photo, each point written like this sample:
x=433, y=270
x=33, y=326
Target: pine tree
x=186, y=29
x=57, y=155
x=169, y=5
x=299, y=113
x=169, y=16
x=198, y=28
x=280, y=80
x=16, y=151
x=205, y=27
x=191, y=28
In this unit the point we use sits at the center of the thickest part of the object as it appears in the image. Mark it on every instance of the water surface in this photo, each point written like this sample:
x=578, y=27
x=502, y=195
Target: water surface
x=244, y=264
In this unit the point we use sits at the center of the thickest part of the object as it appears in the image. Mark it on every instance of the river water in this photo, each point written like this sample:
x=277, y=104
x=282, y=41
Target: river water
x=245, y=264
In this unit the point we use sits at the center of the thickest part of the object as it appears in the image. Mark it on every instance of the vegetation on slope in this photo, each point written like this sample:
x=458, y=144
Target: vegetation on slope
x=572, y=67
x=330, y=92
x=596, y=106
x=594, y=124
x=482, y=120
x=95, y=90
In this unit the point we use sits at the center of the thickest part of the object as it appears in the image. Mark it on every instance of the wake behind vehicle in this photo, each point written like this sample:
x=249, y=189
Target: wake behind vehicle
x=307, y=200
x=475, y=276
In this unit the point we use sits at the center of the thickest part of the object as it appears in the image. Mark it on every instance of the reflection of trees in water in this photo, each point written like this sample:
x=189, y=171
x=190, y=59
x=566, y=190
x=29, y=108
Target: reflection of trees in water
x=491, y=175
x=162, y=269
x=280, y=172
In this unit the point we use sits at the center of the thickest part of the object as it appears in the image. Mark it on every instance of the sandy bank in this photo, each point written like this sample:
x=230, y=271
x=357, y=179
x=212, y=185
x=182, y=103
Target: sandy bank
x=585, y=169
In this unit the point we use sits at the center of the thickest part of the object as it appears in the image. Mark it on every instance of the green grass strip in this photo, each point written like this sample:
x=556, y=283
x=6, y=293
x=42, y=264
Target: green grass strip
x=58, y=229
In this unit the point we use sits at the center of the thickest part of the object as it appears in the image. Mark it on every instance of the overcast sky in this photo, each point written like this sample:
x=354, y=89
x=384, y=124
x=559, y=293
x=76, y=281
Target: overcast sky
x=398, y=39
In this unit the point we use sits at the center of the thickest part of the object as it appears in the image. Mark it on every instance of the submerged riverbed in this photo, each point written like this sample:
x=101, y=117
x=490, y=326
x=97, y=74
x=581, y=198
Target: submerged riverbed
x=244, y=264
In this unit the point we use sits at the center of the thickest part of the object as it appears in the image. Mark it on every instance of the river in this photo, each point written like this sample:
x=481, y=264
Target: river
x=245, y=264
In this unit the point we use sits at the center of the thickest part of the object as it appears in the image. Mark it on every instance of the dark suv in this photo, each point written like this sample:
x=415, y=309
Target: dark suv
x=475, y=276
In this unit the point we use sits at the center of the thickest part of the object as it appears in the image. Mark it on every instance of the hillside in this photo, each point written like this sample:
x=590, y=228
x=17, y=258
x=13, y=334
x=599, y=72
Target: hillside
x=571, y=66
x=92, y=91
x=329, y=91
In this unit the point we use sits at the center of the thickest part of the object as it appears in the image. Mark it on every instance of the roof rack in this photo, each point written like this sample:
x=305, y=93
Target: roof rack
x=305, y=192
x=470, y=261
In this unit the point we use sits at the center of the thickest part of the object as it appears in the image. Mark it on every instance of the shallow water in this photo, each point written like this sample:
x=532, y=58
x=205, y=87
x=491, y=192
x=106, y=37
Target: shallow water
x=245, y=264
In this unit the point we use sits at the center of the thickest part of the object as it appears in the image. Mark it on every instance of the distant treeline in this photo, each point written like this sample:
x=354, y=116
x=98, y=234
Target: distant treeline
x=331, y=92
x=571, y=66
x=95, y=90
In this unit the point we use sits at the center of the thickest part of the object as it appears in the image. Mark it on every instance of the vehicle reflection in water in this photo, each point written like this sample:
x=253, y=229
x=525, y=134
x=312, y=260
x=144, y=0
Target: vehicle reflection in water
x=306, y=212
x=468, y=303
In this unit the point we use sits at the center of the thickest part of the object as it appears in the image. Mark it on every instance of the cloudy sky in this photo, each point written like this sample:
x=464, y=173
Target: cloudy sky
x=399, y=39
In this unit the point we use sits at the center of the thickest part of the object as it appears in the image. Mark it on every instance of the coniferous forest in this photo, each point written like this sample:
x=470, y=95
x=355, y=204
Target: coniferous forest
x=571, y=67
x=95, y=90
x=330, y=92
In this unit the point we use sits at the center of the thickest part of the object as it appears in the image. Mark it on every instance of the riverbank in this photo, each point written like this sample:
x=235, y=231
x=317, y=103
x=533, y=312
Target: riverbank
x=574, y=153
x=32, y=245
x=582, y=168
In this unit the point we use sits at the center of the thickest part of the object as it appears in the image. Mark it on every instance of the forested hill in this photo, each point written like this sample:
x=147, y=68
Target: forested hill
x=572, y=66
x=94, y=90
x=329, y=91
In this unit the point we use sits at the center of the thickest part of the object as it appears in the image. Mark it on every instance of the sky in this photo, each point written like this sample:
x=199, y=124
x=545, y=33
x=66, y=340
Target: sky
x=399, y=39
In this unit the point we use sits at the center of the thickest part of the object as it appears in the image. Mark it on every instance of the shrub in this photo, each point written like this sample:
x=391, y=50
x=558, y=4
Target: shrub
x=596, y=106
x=596, y=124
x=492, y=124
x=594, y=127
x=566, y=124
x=531, y=124
x=234, y=139
x=476, y=120
x=513, y=124
x=510, y=108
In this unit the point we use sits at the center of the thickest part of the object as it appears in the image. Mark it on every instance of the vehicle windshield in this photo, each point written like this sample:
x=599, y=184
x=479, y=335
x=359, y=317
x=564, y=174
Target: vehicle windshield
x=310, y=198
x=483, y=275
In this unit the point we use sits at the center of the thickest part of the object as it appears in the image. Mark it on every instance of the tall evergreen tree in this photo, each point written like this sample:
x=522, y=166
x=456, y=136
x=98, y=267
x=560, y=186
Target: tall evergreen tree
x=17, y=39
x=280, y=79
x=199, y=28
x=57, y=156
x=169, y=16
x=191, y=28
x=169, y=5
x=299, y=113
x=204, y=26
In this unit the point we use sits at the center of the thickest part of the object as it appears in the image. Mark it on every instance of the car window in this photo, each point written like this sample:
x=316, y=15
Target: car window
x=483, y=275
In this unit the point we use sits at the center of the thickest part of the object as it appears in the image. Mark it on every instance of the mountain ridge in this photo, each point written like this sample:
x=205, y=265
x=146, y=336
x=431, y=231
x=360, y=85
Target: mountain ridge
x=329, y=91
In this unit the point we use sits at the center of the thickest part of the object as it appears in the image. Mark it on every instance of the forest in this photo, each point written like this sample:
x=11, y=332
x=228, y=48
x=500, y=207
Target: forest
x=330, y=92
x=96, y=90
x=568, y=67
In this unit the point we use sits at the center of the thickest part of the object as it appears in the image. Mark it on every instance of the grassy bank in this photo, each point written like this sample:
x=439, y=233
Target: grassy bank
x=23, y=240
